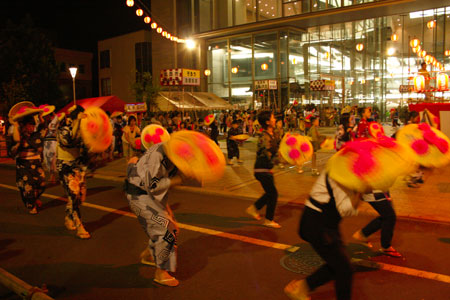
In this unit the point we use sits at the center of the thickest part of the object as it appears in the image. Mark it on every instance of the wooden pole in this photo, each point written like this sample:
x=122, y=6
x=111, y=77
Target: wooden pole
x=22, y=288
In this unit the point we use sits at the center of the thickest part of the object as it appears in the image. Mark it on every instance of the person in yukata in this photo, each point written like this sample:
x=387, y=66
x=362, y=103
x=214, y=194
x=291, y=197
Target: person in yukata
x=149, y=179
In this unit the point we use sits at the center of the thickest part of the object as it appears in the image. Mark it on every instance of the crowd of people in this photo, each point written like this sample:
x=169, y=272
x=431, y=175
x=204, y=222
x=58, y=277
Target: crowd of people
x=47, y=141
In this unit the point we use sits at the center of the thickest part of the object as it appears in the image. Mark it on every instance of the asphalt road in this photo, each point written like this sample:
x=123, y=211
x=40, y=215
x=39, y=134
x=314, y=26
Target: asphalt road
x=222, y=254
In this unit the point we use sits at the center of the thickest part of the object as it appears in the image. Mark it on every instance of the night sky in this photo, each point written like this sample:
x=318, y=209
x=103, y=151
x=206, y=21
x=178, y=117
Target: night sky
x=75, y=24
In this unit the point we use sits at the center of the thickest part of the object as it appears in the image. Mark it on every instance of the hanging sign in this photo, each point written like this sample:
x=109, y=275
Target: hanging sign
x=322, y=85
x=135, y=107
x=191, y=77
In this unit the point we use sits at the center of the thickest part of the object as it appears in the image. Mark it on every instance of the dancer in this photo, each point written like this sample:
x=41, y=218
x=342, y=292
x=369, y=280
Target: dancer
x=266, y=152
x=363, y=125
x=149, y=179
x=328, y=203
x=382, y=203
x=316, y=140
x=232, y=145
x=279, y=133
x=30, y=176
x=71, y=164
x=50, y=147
x=130, y=132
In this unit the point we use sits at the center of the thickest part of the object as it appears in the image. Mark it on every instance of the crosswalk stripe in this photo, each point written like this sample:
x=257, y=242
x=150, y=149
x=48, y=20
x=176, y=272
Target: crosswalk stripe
x=264, y=243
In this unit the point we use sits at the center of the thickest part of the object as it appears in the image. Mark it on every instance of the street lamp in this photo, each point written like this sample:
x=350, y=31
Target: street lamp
x=73, y=72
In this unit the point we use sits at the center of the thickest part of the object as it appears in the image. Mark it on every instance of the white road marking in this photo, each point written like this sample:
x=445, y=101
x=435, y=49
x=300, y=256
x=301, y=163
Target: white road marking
x=263, y=243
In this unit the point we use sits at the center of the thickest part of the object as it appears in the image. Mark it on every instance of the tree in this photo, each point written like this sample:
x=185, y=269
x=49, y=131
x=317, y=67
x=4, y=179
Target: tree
x=145, y=91
x=28, y=70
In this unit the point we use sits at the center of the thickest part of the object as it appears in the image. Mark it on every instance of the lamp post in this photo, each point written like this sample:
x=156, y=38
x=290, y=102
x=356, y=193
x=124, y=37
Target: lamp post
x=73, y=72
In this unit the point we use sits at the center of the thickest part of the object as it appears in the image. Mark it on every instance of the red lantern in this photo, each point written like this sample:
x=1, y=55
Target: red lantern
x=394, y=37
x=264, y=66
x=417, y=49
x=423, y=53
x=447, y=52
x=359, y=47
x=130, y=3
x=139, y=12
x=154, y=25
x=419, y=83
x=147, y=20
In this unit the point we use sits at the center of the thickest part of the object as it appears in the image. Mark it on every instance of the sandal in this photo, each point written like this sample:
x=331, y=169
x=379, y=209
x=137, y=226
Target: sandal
x=391, y=252
x=172, y=282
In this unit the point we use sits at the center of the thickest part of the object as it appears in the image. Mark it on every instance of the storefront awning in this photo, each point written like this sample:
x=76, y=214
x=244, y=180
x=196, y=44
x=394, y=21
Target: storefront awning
x=190, y=101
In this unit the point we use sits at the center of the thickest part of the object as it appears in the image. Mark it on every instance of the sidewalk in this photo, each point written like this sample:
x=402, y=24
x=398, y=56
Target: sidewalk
x=431, y=201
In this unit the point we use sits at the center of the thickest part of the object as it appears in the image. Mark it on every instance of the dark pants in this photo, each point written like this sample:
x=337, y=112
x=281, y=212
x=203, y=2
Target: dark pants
x=270, y=196
x=385, y=222
x=232, y=149
x=328, y=245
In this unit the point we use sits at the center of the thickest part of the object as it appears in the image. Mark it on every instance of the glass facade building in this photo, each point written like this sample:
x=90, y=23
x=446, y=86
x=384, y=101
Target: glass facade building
x=369, y=59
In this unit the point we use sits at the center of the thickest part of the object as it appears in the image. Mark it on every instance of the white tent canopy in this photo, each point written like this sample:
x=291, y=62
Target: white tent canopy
x=190, y=101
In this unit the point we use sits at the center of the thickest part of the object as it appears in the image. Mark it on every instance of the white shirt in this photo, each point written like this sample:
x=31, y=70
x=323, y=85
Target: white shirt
x=319, y=193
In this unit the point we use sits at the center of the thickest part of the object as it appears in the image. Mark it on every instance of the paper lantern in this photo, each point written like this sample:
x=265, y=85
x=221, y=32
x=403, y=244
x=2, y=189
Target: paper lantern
x=147, y=20
x=139, y=12
x=417, y=49
x=130, y=3
x=159, y=30
x=207, y=72
x=359, y=47
x=414, y=43
x=394, y=37
x=423, y=53
x=234, y=70
x=431, y=24
x=168, y=35
x=154, y=25
x=442, y=82
x=326, y=55
x=175, y=39
x=447, y=52
x=164, y=33
x=419, y=83
x=264, y=66
x=428, y=59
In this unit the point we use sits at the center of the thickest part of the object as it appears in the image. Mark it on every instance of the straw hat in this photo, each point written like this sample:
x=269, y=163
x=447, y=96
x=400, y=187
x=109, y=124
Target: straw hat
x=154, y=134
x=376, y=130
x=196, y=155
x=25, y=111
x=209, y=119
x=296, y=149
x=96, y=130
x=116, y=114
x=369, y=164
x=48, y=109
x=429, y=145
x=17, y=107
x=60, y=116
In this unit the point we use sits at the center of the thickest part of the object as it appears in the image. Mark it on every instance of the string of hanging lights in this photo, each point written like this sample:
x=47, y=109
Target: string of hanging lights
x=153, y=25
x=419, y=80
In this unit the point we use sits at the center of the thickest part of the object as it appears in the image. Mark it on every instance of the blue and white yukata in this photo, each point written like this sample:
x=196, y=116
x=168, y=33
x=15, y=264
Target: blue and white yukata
x=146, y=187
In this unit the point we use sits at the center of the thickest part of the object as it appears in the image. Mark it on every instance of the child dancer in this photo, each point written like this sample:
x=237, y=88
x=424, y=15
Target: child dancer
x=266, y=152
x=232, y=145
